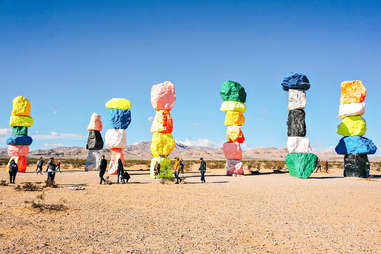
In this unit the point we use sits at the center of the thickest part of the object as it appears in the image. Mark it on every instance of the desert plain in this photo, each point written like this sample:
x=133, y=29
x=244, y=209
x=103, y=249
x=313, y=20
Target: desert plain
x=263, y=213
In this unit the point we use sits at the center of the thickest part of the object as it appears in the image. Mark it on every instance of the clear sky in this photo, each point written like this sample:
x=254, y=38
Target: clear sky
x=70, y=57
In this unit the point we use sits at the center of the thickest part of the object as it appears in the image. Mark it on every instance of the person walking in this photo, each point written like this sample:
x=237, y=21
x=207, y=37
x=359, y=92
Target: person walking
x=58, y=168
x=40, y=164
x=102, y=169
x=318, y=166
x=120, y=171
x=13, y=168
x=176, y=169
x=156, y=170
x=51, y=169
x=326, y=166
x=202, y=169
x=182, y=164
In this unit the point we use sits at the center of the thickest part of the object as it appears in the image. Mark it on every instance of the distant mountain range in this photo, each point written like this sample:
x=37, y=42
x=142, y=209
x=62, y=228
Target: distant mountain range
x=142, y=151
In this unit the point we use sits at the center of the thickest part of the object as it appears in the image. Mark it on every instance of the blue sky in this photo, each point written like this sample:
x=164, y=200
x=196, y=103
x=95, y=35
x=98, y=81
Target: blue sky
x=70, y=57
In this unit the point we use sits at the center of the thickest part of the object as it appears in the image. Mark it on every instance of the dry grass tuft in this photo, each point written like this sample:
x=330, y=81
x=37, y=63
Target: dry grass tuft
x=40, y=205
x=31, y=187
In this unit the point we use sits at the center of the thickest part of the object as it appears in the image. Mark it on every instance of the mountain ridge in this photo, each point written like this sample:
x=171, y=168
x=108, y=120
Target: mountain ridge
x=142, y=151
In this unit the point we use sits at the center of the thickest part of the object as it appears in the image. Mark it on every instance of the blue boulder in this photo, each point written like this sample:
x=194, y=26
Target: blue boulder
x=295, y=80
x=19, y=140
x=119, y=118
x=355, y=145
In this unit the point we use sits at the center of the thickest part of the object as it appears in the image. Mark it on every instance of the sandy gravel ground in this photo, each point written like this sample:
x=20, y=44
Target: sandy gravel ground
x=266, y=213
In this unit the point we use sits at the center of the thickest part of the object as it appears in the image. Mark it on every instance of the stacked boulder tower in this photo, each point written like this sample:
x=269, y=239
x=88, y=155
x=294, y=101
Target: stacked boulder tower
x=353, y=145
x=94, y=143
x=19, y=142
x=300, y=160
x=234, y=97
x=163, y=98
x=116, y=136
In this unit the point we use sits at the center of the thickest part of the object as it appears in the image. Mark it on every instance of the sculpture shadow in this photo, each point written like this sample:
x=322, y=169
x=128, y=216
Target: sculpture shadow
x=325, y=177
x=217, y=182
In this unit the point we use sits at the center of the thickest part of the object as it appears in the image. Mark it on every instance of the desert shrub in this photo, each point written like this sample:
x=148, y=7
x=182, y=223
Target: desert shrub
x=31, y=187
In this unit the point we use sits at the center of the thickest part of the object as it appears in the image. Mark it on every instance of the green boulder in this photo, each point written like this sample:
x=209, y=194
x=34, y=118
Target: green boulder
x=19, y=131
x=233, y=91
x=301, y=164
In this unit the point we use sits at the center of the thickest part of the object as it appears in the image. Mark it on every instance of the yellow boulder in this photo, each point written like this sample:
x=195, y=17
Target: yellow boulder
x=234, y=118
x=352, y=92
x=21, y=106
x=162, y=144
x=25, y=121
x=233, y=106
x=118, y=103
x=352, y=126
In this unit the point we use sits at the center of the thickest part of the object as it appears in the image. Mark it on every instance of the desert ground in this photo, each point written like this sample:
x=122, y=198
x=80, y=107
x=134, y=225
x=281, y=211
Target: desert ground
x=264, y=213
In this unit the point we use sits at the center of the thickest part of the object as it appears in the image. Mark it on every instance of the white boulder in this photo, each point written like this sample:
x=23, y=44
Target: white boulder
x=353, y=109
x=298, y=145
x=116, y=138
x=296, y=99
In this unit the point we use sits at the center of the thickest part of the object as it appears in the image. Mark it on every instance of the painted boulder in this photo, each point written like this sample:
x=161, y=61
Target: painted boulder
x=298, y=145
x=116, y=138
x=119, y=118
x=17, y=150
x=163, y=96
x=19, y=131
x=21, y=106
x=301, y=164
x=25, y=121
x=118, y=103
x=353, y=109
x=232, y=151
x=162, y=122
x=233, y=106
x=296, y=123
x=234, y=118
x=19, y=140
x=355, y=145
x=352, y=92
x=356, y=165
x=233, y=91
x=95, y=123
x=296, y=99
x=352, y=126
x=234, y=134
x=162, y=144
x=295, y=80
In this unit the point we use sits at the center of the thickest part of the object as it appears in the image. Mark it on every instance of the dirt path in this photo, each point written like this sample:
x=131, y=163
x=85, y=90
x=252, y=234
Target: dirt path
x=272, y=213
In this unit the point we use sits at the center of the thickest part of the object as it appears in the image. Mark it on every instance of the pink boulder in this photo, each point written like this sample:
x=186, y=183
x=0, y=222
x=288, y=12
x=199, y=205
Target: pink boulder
x=163, y=96
x=17, y=150
x=95, y=123
x=232, y=151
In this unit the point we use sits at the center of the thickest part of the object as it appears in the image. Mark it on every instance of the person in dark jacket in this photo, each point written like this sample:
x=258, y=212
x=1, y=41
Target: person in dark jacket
x=182, y=164
x=156, y=170
x=120, y=171
x=51, y=169
x=13, y=168
x=202, y=169
x=40, y=164
x=102, y=169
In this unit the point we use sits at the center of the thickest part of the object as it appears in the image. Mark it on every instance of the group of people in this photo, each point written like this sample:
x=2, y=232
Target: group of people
x=51, y=169
x=122, y=175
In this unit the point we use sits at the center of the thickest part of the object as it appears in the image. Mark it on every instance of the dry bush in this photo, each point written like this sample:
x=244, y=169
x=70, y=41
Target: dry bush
x=40, y=205
x=31, y=187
